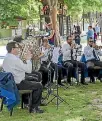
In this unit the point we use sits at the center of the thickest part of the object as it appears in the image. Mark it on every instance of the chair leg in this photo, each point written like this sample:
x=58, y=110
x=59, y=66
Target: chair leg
x=30, y=102
x=22, y=101
x=1, y=108
x=11, y=111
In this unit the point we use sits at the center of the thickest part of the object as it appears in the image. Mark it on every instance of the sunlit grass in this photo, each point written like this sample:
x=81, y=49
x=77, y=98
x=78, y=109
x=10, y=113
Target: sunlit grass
x=84, y=104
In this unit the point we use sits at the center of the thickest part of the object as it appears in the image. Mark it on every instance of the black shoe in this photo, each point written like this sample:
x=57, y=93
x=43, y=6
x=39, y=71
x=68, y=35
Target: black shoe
x=92, y=79
x=100, y=79
x=37, y=110
x=42, y=104
x=93, y=82
x=26, y=106
x=60, y=84
x=84, y=83
x=70, y=83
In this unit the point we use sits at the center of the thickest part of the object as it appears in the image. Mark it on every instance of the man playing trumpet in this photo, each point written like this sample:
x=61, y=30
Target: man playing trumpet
x=92, y=54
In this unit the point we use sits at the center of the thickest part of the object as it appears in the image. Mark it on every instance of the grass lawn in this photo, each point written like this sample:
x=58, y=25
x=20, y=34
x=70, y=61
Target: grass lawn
x=85, y=104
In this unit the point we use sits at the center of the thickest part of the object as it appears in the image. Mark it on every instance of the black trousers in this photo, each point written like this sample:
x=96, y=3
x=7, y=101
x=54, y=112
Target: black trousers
x=69, y=67
x=45, y=73
x=81, y=65
x=34, y=76
x=91, y=71
x=97, y=63
x=59, y=69
x=36, y=88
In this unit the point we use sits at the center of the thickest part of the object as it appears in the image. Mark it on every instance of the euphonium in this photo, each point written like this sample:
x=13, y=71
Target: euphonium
x=35, y=50
x=30, y=45
x=23, y=52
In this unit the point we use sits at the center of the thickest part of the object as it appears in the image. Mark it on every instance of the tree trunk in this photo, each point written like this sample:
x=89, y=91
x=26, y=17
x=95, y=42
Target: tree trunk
x=53, y=18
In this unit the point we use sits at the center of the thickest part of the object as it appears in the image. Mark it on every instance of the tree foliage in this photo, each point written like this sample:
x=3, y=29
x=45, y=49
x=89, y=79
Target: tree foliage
x=24, y=8
x=30, y=8
x=76, y=7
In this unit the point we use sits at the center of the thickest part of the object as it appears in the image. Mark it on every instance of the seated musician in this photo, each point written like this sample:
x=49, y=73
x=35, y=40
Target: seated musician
x=56, y=65
x=70, y=61
x=45, y=60
x=34, y=75
x=12, y=63
x=92, y=54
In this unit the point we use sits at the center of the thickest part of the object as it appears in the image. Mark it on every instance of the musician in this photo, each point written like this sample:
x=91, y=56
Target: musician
x=56, y=64
x=45, y=60
x=70, y=61
x=35, y=75
x=12, y=63
x=92, y=54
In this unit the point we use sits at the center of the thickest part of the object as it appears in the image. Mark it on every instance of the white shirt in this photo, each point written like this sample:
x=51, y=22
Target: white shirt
x=16, y=66
x=66, y=50
x=88, y=52
x=55, y=54
x=45, y=56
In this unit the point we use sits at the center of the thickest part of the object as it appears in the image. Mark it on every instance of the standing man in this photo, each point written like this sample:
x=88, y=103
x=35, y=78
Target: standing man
x=90, y=33
x=97, y=29
x=70, y=61
x=13, y=64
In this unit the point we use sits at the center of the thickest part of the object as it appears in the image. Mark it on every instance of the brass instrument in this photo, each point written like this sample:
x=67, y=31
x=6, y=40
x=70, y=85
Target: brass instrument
x=98, y=47
x=23, y=52
x=29, y=45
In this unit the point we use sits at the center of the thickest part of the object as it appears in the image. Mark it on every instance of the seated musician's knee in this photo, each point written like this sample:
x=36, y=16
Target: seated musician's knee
x=39, y=86
x=83, y=65
x=70, y=65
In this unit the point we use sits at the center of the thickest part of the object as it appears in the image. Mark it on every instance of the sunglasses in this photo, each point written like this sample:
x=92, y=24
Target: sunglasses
x=90, y=41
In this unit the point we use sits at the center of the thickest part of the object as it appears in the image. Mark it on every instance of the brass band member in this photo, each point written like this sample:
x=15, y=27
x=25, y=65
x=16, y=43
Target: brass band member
x=45, y=49
x=35, y=75
x=12, y=63
x=57, y=52
x=92, y=57
x=69, y=60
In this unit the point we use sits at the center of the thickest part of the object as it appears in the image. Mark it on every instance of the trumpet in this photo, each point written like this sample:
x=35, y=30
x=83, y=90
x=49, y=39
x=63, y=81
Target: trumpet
x=98, y=47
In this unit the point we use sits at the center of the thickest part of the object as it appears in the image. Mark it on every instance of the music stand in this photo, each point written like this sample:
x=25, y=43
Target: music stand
x=77, y=68
x=50, y=92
